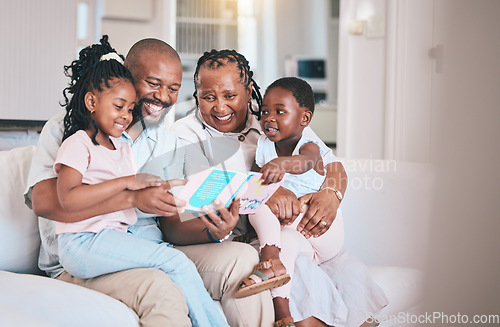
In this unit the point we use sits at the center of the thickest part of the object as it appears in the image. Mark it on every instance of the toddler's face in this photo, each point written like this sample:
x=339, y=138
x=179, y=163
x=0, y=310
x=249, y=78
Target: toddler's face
x=282, y=117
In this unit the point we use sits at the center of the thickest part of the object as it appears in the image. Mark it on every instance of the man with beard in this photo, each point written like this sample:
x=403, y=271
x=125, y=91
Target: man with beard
x=157, y=72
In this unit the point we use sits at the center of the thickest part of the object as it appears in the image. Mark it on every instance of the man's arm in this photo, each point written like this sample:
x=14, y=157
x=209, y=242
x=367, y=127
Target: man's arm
x=46, y=204
x=155, y=200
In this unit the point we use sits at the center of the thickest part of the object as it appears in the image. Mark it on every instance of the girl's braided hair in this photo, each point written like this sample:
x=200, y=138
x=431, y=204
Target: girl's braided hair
x=89, y=73
x=217, y=58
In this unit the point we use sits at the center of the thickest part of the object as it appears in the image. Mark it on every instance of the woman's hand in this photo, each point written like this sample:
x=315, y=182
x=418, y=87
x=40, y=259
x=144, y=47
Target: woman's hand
x=284, y=205
x=321, y=213
x=223, y=220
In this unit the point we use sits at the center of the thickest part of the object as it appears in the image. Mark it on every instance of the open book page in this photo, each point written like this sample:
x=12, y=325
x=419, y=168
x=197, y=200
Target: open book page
x=205, y=187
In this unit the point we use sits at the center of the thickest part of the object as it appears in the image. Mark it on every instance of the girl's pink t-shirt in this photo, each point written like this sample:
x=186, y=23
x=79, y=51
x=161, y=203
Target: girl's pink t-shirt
x=97, y=164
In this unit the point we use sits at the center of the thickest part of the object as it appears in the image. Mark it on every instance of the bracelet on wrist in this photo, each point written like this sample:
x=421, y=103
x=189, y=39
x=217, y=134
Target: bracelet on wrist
x=214, y=240
x=337, y=193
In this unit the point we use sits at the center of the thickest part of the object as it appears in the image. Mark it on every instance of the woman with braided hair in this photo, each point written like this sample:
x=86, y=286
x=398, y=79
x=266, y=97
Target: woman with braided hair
x=93, y=164
x=223, y=132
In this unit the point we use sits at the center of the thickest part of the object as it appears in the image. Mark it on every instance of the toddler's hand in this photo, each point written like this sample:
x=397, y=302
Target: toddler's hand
x=272, y=172
x=140, y=181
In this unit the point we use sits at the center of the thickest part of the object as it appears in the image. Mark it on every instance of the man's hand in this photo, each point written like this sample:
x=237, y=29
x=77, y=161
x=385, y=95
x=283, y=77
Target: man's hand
x=284, y=205
x=223, y=220
x=158, y=200
x=322, y=209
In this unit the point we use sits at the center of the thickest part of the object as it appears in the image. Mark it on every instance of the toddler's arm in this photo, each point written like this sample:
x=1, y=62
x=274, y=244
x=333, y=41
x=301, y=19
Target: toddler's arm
x=309, y=157
x=73, y=195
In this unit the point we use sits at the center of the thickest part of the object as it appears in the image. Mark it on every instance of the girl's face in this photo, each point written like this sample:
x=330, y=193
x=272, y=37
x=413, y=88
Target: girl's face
x=282, y=117
x=112, y=108
x=222, y=97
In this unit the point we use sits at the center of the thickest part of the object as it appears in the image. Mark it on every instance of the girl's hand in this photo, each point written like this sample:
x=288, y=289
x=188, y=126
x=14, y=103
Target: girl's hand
x=284, y=205
x=140, y=181
x=273, y=171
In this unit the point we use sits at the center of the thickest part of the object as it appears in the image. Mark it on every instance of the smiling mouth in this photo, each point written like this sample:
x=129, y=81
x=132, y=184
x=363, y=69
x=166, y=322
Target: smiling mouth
x=153, y=108
x=271, y=129
x=120, y=126
x=224, y=118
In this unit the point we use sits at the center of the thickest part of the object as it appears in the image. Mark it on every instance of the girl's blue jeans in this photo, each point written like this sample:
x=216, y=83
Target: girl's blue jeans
x=88, y=255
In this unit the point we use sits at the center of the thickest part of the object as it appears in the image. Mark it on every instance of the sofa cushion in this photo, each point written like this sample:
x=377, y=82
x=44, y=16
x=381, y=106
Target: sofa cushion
x=36, y=301
x=19, y=237
x=402, y=286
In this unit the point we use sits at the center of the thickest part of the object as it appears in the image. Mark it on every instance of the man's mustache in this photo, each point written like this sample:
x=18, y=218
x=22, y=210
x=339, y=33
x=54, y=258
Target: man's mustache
x=155, y=102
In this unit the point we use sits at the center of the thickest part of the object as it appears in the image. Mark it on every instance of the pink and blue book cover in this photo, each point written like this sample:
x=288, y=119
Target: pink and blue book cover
x=205, y=187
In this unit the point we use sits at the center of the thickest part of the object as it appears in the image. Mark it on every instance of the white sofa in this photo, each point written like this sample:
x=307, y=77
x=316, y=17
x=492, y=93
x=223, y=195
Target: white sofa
x=384, y=228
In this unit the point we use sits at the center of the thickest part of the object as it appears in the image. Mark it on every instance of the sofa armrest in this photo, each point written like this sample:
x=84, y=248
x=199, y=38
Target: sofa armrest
x=50, y=302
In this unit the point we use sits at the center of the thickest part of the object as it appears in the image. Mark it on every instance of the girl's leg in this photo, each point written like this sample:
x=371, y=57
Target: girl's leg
x=88, y=255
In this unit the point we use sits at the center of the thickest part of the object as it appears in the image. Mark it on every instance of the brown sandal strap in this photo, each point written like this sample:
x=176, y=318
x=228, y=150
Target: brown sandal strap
x=269, y=264
x=284, y=322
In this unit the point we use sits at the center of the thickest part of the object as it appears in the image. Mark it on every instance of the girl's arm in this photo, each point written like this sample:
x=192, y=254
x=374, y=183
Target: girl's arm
x=309, y=157
x=75, y=196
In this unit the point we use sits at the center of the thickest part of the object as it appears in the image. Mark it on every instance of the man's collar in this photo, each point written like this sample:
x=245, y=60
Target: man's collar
x=150, y=132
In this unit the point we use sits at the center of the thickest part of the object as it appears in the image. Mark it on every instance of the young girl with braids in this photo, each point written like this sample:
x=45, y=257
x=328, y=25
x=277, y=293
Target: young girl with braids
x=93, y=165
x=223, y=132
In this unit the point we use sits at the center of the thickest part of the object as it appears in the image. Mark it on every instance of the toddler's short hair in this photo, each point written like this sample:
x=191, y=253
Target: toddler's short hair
x=301, y=90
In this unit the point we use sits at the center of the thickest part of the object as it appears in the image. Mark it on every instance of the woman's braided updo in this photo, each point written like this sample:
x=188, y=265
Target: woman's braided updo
x=217, y=58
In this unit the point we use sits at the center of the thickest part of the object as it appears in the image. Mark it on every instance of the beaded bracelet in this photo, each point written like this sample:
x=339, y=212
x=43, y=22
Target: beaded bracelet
x=211, y=238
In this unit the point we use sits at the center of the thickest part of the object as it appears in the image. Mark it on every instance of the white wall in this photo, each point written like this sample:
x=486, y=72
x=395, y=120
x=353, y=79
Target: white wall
x=464, y=263
x=361, y=84
x=38, y=39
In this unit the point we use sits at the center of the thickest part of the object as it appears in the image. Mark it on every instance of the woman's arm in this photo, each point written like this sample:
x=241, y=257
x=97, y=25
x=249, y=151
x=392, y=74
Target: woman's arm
x=323, y=205
x=194, y=231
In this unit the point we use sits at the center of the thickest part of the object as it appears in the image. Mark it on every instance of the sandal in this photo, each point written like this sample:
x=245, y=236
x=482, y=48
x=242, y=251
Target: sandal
x=284, y=322
x=258, y=282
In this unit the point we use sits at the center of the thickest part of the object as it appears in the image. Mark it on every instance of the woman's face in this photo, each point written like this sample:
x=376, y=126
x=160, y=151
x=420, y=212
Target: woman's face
x=223, y=98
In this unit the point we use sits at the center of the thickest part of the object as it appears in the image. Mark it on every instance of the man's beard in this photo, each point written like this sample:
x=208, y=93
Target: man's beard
x=151, y=119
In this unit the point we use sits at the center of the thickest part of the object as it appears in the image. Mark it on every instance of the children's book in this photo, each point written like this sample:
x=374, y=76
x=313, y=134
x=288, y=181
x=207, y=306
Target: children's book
x=206, y=186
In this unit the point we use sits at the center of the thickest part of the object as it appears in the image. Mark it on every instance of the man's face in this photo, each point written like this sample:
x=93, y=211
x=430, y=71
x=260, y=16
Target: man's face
x=158, y=79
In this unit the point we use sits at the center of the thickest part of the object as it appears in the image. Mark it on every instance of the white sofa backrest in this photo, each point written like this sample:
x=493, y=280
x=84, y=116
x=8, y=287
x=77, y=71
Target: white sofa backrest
x=19, y=237
x=387, y=209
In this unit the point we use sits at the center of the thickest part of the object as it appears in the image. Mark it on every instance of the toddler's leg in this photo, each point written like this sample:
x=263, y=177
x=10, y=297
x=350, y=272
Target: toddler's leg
x=110, y=251
x=267, y=227
x=330, y=243
x=270, y=272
